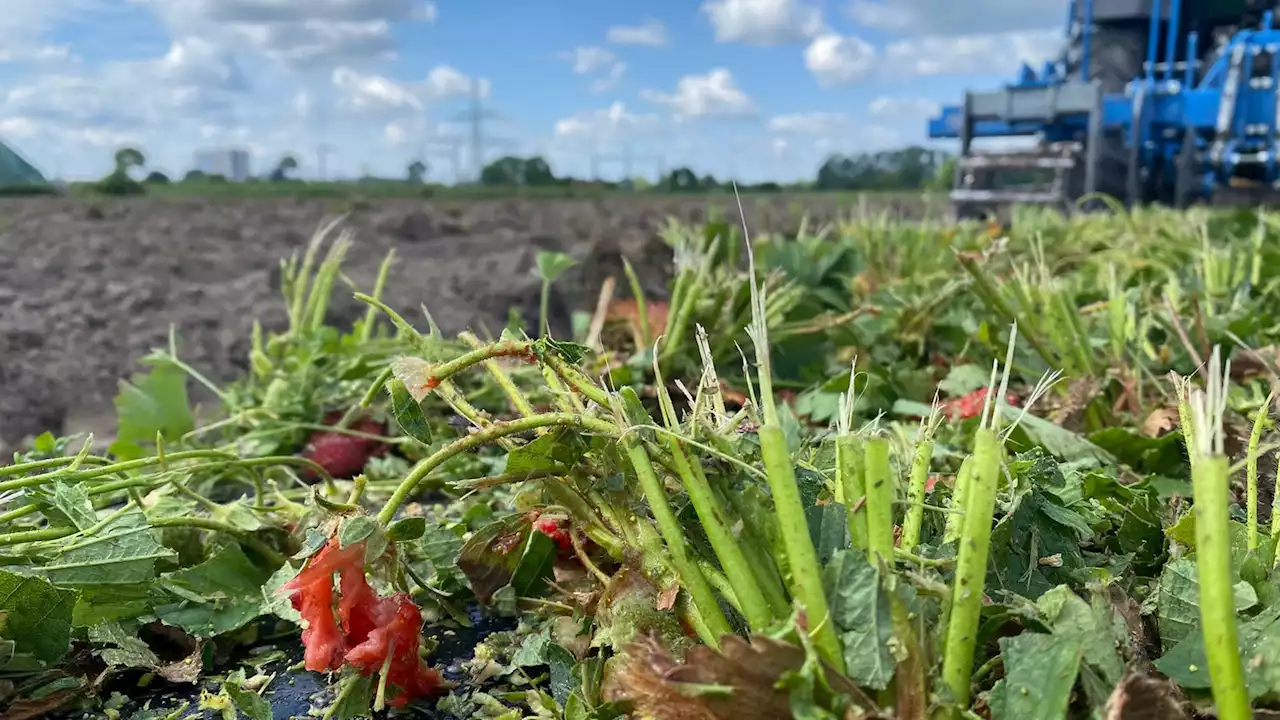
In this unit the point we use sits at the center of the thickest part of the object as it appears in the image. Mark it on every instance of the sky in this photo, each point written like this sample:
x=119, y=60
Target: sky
x=751, y=89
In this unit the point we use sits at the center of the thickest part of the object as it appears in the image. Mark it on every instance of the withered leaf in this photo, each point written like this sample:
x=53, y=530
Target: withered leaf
x=1143, y=697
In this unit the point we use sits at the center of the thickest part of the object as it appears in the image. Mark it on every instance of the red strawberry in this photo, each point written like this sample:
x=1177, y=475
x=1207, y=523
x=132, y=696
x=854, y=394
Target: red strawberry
x=341, y=455
x=554, y=528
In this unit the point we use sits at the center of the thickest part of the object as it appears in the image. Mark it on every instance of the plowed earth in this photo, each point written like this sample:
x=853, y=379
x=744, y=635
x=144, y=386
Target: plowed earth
x=86, y=288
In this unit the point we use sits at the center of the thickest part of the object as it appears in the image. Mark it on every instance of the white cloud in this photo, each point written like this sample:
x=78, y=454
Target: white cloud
x=888, y=106
x=612, y=123
x=814, y=123
x=304, y=35
x=948, y=17
x=395, y=133
x=997, y=53
x=763, y=22
x=839, y=59
x=712, y=95
x=597, y=61
x=651, y=34
x=378, y=95
x=589, y=60
x=37, y=54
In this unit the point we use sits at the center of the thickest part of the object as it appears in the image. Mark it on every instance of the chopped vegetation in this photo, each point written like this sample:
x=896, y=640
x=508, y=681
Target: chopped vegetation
x=871, y=471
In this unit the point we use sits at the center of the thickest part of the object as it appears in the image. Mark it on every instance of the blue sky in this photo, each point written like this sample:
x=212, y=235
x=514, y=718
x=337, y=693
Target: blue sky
x=755, y=89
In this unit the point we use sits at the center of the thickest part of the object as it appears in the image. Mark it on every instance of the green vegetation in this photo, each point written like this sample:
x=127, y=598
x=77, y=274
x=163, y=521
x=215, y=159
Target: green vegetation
x=909, y=471
x=910, y=169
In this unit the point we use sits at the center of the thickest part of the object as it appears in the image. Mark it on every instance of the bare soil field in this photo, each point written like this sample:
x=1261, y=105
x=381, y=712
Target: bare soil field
x=88, y=287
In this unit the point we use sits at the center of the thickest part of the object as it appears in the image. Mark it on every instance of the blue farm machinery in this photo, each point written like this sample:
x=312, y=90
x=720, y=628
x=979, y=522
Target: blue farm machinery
x=1150, y=101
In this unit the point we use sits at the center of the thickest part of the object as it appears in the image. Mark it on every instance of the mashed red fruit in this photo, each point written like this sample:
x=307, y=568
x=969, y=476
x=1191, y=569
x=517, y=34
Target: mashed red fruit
x=367, y=632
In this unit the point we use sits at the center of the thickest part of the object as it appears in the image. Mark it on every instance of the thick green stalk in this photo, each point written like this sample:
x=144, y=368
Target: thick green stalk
x=851, y=487
x=959, y=501
x=691, y=577
x=1251, y=483
x=806, y=571
x=919, y=481
x=714, y=518
x=482, y=437
x=1210, y=478
x=879, y=484
x=971, y=567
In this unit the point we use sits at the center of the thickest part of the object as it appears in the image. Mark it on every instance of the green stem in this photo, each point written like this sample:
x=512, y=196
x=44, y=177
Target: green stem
x=691, y=576
x=879, y=486
x=482, y=437
x=971, y=568
x=113, y=468
x=851, y=487
x=919, y=481
x=959, y=501
x=642, y=305
x=802, y=558
x=714, y=518
x=371, y=313
x=1210, y=480
x=1251, y=484
x=246, y=538
x=517, y=398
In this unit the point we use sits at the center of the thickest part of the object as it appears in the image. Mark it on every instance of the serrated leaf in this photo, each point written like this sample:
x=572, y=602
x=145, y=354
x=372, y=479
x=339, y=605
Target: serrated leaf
x=126, y=650
x=1259, y=642
x=535, y=566
x=315, y=541
x=561, y=663
x=490, y=557
x=221, y=594
x=554, y=452
x=72, y=500
x=407, y=529
x=964, y=379
x=861, y=613
x=37, y=616
x=408, y=412
x=1071, y=617
x=154, y=403
x=124, y=552
x=1040, y=672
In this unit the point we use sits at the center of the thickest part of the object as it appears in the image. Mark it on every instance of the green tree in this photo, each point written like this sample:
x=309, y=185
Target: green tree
x=155, y=177
x=682, y=180
x=128, y=158
x=516, y=171
x=417, y=170
x=287, y=164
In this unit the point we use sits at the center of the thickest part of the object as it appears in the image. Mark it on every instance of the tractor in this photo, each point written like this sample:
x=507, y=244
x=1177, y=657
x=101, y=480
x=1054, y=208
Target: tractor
x=1170, y=102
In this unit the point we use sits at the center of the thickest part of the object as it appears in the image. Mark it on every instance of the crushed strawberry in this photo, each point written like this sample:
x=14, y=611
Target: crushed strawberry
x=970, y=406
x=367, y=632
x=555, y=529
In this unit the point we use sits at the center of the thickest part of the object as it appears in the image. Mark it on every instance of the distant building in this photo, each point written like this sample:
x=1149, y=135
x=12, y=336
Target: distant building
x=232, y=164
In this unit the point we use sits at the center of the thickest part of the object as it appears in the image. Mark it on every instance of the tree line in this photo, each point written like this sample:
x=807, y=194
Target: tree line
x=910, y=168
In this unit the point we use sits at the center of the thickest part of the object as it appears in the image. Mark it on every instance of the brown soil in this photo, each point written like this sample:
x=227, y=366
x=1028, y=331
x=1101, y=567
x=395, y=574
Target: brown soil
x=87, y=287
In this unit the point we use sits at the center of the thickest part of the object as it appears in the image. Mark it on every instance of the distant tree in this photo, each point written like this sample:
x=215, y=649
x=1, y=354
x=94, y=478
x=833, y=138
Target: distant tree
x=537, y=172
x=155, y=177
x=287, y=164
x=682, y=180
x=128, y=158
x=516, y=171
x=417, y=170
x=194, y=176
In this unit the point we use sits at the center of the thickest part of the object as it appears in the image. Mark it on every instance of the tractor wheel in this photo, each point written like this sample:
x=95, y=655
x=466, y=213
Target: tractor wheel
x=1116, y=54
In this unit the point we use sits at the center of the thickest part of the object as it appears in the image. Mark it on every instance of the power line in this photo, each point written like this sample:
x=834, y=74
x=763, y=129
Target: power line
x=476, y=117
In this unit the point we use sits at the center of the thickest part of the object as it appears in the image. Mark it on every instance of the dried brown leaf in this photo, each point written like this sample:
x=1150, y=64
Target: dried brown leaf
x=27, y=709
x=1160, y=422
x=660, y=687
x=1143, y=697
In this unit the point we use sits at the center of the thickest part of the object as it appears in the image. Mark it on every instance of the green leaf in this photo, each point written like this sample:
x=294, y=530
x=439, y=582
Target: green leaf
x=154, y=403
x=561, y=662
x=861, y=613
x=1092, y=626
x=124, y=552
x=828, y=529
x=408, y=412
x=554, y=452
x=36, y=616
x=1259, y=640
x=354, y=698
x=1040, y=671
x=551, y=265
x=406, y=529
x=221, y=594
x=490, y=557
x=536, y=564
x=126, y=649
x=248, y=702
x=1177, y=601
x=441, y=548
x=964, y=379
x=72, y=500
x=356, y=529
